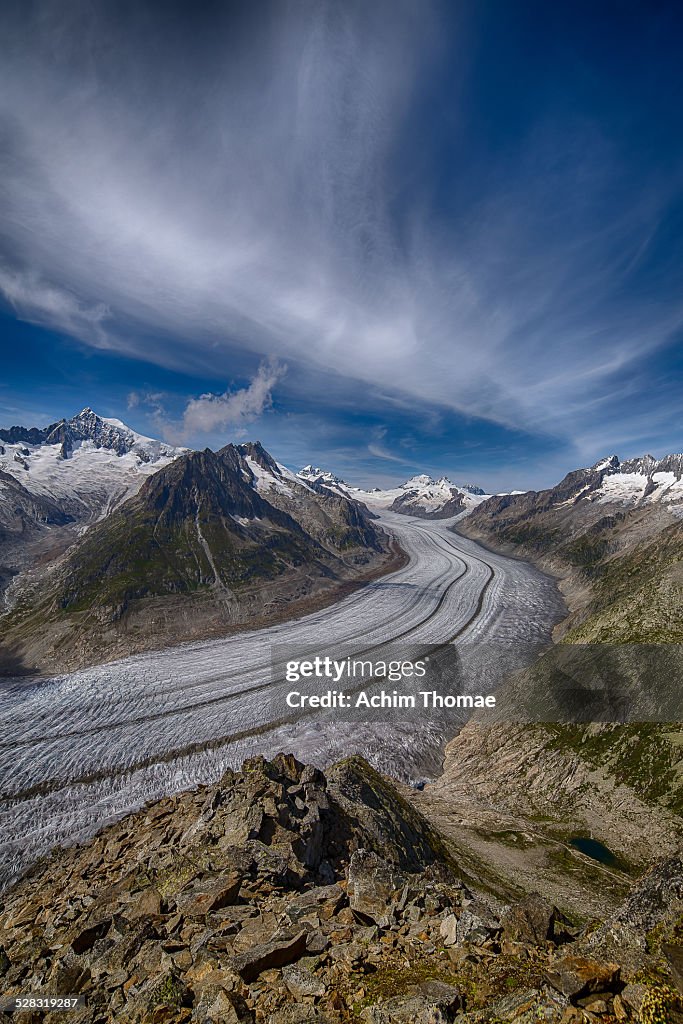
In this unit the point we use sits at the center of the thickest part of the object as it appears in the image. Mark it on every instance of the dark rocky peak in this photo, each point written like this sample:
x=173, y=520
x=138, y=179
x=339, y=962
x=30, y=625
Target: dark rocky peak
x=61, y=435
x=581, y=483
x=213, y=481
x=409, y=503
x=648, y=465
x=645, y=465
x=671, y=464
x=576, y=486
x=255, y=451
x=608, y=465
x=315, y=475
x=88, y=426
x=472, y=489
x=27, y=435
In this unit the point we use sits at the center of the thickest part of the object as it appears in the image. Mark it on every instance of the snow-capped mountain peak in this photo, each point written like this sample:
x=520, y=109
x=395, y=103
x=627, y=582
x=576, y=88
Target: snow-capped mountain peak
x=312, y=474
x=86, y=425
x=425, y=497
x=608, y=465
x=317, y=478
x=642, y=480
x=87, y=463
x=419, y=481
x=638, y=481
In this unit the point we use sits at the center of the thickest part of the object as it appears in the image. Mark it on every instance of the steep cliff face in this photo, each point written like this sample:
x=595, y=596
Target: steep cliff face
x=325, y=511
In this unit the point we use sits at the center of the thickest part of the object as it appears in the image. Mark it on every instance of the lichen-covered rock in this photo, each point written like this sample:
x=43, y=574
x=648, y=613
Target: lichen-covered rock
x=302, y=982
x=448, y=930
x=275, y=952
x=578, y=975
x=531, y=920
x=656, y=899
x=476, y=924
x=373, y=887
x=405, y=1010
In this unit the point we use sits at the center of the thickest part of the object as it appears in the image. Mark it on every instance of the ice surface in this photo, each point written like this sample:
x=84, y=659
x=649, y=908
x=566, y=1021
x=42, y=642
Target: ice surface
x=78, y=750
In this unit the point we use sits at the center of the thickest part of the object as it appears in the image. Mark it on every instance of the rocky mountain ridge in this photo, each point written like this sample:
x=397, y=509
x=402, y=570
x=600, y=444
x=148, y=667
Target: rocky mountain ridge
x=86, y=425
x=313, y=475
x=287, y=896
x=618, y=552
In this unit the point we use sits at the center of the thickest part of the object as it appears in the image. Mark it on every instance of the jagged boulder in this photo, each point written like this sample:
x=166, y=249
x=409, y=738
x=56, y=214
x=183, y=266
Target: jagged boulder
x=531, y=921
x=576, y=976
x=476, y=923
x=430, y=1002
x=674, y=957
x=301, y=982
x=281, y=949
x=370, y=812
x=655, y=900
x=373, y=887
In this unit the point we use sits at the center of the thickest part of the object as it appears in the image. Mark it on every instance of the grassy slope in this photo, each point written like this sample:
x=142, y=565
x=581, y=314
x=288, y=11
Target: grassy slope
x=628, y=568
x=637, y=595
x=148, y=559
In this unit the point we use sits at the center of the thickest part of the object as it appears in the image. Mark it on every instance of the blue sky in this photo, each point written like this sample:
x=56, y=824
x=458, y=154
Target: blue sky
x=383, y=237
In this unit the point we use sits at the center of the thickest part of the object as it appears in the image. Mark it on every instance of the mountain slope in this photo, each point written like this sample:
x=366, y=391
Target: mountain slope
x=619, y=557
x=199, y=549
x=618, y=551
x=286, y=895
x=325, y=510
x=318, y=479
x=58, y=480
x=26, y=522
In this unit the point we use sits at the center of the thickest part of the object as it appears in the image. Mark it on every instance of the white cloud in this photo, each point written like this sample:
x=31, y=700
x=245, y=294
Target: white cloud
x=212, y=413
x=378, y=450
x=382, y=453
x=233, y=408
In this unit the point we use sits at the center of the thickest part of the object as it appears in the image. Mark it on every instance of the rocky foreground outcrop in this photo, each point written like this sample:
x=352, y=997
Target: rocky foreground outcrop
x=286, y=896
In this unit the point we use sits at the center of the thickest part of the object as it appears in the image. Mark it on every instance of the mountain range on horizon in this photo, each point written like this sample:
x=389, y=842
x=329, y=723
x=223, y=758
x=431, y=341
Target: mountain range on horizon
x=35, y=451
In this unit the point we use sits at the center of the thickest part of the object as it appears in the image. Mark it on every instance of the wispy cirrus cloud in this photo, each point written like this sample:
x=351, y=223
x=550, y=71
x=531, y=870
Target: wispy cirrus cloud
x=378, y=449
x=270, y=177
x=39, y=302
